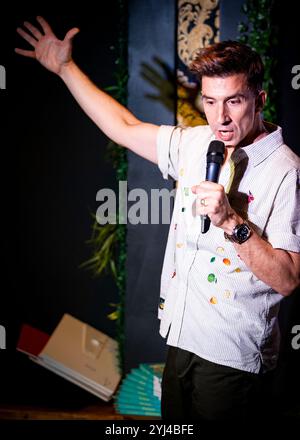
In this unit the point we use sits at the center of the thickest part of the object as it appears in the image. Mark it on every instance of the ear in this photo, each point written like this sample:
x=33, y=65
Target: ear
x=260, y=101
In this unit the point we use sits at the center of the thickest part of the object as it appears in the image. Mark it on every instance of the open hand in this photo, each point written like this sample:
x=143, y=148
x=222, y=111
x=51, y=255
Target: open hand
x=51, y=52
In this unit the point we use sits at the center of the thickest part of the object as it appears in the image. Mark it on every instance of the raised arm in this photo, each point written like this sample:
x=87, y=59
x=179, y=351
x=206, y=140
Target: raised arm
x=118, y=123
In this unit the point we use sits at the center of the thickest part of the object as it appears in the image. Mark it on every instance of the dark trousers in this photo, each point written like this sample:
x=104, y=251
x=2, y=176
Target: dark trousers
x=196, y=389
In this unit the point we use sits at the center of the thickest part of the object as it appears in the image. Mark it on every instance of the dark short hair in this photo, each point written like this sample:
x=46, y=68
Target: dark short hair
x=227, y=58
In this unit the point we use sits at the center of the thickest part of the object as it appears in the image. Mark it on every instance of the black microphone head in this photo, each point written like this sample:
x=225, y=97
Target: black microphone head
x=216, y=152
x=216, y=147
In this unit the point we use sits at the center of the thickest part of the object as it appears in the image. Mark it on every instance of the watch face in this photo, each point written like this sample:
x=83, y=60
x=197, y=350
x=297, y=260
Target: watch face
x=243, y=233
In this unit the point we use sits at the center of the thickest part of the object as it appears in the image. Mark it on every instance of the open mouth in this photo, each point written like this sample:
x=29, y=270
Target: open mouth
x=225, y=135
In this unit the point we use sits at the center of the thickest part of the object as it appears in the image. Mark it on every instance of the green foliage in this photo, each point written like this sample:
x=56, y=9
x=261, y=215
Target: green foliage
x=102, y=241
x=259, y=33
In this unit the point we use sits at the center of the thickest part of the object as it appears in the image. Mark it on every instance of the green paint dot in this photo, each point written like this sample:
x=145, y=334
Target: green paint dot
x=213, y=259
x=182, y=209
x=211, y=278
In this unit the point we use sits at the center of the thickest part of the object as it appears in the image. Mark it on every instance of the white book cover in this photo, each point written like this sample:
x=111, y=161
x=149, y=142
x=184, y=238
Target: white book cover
x=72, y=379
x=84, y=355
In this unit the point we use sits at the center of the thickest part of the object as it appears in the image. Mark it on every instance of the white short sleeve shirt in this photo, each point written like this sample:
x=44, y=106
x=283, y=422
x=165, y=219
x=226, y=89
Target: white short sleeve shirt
x=211, y=304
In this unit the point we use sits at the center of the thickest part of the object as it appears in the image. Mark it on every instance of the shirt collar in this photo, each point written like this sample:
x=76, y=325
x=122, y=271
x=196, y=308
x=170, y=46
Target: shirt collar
x=258, y=151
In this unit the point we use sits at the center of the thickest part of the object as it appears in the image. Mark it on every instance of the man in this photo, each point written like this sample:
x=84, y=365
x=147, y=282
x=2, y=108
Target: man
x=220, y=291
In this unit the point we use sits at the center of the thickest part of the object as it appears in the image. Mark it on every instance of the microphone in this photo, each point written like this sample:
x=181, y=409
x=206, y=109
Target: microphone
x=214, y=160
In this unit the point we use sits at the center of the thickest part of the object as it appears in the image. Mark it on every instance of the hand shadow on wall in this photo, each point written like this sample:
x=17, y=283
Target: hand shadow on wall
x=175, y=91
x=163, y=79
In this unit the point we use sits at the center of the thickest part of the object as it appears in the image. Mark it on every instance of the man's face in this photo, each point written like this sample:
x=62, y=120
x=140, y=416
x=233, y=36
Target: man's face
x=230, y=108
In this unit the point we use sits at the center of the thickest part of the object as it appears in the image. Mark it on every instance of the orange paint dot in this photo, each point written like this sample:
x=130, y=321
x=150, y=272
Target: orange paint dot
x=213, y=300
x=238, y=270
x=226, y=261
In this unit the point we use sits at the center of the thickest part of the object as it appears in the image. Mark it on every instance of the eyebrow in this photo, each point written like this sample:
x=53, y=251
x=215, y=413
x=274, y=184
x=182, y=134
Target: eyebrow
x=236, y=95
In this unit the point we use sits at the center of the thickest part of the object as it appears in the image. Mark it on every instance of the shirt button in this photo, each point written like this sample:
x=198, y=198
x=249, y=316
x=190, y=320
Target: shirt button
x=227, y=294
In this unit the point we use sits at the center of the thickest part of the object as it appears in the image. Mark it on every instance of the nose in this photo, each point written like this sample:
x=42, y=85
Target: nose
x=223, y=116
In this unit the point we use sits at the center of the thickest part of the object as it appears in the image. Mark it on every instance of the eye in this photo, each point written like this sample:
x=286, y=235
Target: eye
x=209, y=102
x=234, y=101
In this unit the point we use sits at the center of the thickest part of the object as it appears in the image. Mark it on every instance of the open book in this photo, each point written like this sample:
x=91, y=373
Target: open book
x=77, y=352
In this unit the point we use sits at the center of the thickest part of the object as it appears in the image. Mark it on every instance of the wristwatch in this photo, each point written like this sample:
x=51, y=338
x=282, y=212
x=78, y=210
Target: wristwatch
x=240, y=233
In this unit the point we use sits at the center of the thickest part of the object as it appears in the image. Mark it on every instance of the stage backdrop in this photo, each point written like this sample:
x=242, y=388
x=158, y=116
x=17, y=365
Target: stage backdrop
x=151, y=62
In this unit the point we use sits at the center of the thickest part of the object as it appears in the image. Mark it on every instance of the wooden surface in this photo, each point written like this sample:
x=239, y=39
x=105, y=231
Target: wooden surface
x=34, y=393
x=99, y=411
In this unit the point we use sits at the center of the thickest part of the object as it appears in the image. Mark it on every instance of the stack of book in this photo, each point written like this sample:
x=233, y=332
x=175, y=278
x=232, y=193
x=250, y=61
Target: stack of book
x=140, y=391
x=77, y=352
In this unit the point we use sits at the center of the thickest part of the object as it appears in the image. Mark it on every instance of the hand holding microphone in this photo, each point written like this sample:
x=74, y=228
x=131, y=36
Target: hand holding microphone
x=214, y=159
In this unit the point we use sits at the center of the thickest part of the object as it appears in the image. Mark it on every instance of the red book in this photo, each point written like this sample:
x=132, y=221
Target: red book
x=31, y=340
